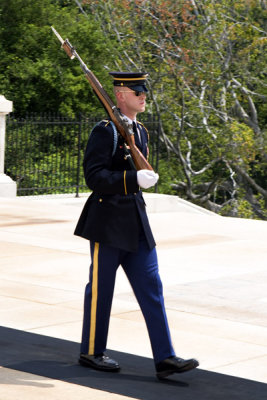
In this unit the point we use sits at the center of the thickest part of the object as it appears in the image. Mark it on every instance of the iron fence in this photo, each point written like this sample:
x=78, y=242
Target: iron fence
x=44, y=153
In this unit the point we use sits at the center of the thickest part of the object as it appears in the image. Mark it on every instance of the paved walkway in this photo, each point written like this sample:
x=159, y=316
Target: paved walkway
x=214, y=272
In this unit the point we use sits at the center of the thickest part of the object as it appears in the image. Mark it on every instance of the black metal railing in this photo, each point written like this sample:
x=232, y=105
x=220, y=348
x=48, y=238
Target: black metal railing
x=44, y=153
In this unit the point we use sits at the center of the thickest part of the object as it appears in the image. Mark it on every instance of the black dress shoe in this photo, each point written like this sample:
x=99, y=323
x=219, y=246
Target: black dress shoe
x=100, y=362
x=174, y=365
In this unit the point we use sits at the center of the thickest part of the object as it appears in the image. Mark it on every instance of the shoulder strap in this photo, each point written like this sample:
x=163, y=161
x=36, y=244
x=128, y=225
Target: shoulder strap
x=115, y=134
x=115, y=137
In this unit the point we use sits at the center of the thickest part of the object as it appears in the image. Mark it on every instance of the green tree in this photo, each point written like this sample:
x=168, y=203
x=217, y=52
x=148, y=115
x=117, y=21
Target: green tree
x=207, y=64
x=34, y=72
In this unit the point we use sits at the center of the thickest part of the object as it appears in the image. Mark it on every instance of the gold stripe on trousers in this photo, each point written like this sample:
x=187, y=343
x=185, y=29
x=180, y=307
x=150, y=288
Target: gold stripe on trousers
x=94, y=300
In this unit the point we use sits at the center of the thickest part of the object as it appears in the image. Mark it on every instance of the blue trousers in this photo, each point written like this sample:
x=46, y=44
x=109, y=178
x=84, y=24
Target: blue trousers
x=141, y=269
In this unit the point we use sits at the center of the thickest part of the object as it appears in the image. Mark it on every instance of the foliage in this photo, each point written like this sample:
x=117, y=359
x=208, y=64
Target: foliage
x=34, y=72
x=207, y=65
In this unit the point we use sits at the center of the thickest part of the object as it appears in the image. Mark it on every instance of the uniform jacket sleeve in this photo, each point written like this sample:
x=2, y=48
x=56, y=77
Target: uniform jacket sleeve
x=98, y=167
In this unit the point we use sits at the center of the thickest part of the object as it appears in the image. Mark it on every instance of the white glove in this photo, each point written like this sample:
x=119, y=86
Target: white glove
x=146, y=178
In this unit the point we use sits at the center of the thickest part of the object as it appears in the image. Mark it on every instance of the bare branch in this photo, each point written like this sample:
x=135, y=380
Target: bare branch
x=243, y=115
x=205, y=119
x=247, y=91
x=80, y=7
x=250, y=180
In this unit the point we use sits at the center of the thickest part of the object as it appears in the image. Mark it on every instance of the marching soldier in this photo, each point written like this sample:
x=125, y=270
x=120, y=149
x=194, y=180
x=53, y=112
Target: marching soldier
x=115, y=221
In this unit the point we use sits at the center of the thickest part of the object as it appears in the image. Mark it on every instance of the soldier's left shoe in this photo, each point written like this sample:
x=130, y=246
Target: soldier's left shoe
x=174, y=365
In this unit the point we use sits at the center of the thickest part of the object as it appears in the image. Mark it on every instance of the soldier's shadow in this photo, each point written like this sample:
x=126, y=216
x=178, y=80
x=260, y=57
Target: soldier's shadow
x=53, y=358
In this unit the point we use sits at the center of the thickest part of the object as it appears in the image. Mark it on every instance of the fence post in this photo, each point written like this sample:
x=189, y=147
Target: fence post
x=8, y=188
x=79, y=156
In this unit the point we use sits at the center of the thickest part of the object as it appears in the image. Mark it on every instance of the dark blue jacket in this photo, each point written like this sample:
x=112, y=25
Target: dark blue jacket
x=115, y=212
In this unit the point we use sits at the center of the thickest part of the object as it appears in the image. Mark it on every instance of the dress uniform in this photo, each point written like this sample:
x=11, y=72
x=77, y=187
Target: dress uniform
x=115, y=221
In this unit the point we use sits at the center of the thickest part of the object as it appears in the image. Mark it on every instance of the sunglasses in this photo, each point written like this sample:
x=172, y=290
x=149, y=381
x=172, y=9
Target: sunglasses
x=137, y=93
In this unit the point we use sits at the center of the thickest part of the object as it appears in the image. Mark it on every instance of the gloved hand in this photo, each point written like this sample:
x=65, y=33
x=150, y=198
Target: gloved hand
x=146, y=178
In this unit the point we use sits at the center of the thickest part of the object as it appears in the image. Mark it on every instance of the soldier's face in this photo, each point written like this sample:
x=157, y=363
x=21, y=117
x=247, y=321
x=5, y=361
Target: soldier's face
x=136, y=103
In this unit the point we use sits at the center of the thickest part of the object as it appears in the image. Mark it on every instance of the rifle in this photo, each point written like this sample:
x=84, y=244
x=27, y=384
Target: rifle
x=135, y=157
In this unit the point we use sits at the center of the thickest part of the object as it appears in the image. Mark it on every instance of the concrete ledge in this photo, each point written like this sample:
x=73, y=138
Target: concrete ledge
x=167, y=203
x=8, y=188
x=156, y=203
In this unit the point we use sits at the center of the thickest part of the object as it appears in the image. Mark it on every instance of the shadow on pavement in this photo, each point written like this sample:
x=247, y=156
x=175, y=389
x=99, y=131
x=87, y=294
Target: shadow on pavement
x=57, y=359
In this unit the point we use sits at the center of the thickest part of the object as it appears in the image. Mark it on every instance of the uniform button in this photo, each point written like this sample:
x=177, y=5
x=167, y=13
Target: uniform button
x=100, y=200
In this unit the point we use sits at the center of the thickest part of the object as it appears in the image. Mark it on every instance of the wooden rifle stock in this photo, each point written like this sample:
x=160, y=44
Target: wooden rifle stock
x=122, y=125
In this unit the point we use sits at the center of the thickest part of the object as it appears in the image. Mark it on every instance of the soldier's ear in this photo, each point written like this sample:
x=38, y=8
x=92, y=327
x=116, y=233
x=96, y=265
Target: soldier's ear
x=120, y=95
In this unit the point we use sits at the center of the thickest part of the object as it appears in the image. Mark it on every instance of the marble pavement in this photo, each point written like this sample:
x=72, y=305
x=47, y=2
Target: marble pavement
x=214, y=271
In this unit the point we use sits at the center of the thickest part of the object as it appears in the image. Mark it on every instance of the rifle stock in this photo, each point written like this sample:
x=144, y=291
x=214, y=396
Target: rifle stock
x=123, y=127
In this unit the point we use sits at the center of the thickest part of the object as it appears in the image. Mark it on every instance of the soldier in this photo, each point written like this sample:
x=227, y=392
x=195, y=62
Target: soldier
x=114, y=219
